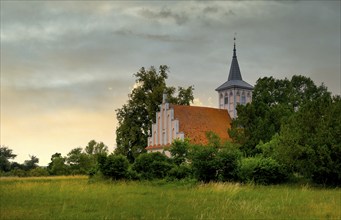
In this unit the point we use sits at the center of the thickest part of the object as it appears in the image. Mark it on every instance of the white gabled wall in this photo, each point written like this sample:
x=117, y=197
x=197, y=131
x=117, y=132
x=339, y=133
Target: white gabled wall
x=166, y=128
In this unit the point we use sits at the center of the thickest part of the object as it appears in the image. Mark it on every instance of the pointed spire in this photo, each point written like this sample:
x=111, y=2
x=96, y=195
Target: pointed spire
x=234, y=69
x=234, y=47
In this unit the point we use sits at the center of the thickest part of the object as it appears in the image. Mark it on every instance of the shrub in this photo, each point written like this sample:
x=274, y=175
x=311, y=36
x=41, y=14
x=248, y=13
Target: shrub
x=152, y=165
x=114, y=166
x=180, y=172
x=179, y=151
x=204, y=163
x=38, y=171
x=212, y=164
x=228, y=160
x=262, y=170
x=132, y=174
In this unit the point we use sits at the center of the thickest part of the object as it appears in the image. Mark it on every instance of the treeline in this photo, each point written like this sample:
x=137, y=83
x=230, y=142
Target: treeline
x=216, y=161
x=78, y=161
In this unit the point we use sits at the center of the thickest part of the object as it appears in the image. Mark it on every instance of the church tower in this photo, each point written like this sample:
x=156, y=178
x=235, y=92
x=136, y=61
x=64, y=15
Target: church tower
x=234, y=91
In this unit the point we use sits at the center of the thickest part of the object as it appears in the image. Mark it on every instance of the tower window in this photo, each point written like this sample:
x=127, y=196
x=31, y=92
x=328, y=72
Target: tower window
x=226, y=100
x=243, y=100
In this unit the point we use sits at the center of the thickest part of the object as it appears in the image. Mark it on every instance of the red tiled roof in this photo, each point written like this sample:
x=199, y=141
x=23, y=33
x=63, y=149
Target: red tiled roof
x=195, y=121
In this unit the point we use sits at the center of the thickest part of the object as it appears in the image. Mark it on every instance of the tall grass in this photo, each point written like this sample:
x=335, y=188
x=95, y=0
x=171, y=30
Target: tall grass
x=77, y=198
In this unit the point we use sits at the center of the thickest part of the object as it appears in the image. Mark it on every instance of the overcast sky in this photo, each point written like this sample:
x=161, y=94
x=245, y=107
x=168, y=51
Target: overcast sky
x=67, y=65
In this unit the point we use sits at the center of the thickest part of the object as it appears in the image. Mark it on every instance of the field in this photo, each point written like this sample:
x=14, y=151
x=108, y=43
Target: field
x=78, y=198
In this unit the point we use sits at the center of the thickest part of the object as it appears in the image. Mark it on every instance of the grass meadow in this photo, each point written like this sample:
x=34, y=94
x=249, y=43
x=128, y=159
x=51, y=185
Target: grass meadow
x=78, y=198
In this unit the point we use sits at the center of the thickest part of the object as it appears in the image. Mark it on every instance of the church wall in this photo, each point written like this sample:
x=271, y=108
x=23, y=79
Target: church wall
x=165, y=129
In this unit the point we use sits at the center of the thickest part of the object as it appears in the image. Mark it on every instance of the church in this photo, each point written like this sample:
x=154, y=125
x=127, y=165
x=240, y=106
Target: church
x=192, y=122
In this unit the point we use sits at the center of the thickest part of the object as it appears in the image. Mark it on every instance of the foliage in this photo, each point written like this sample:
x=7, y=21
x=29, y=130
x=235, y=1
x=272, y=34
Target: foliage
x=152, y=165
x=31, y=163
x=94, y=149
x=310, y=142
x=179, y=151
x=179, y=172
x=79, y=162
x=273, y=102
x=114, y=166
x=57, y=165
x=204, y=163
x=5, y=155
x=228, y=160
x=262, y=170
x=210, y=163
x=38, y=171
x=213, y=139
x=83, y=162
x=136, y=117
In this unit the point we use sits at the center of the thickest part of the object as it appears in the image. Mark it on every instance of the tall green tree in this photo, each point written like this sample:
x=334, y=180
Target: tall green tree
x=31, y=163
x=79, y=162
x=94, y=148
x=136, y=117
x=273, y=102
x=310, y=142
x=5, y=155
x=58, y=166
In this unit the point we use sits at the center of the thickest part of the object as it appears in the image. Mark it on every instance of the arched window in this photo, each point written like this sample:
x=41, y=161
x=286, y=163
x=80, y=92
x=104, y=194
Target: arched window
x=243, y=100
x=226, y=100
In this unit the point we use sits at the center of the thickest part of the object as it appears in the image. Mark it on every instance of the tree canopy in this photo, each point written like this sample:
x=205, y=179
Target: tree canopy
x=273, y=102
x=135, y=118
x=295, y=122
x=5, y=155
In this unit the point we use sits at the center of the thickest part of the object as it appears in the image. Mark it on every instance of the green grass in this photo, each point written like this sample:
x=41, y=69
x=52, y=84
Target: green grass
x=77, y=198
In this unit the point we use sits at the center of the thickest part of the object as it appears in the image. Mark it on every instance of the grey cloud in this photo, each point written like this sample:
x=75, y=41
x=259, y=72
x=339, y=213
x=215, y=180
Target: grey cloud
x=157, y=37
x=210, y=9
x=164, y=13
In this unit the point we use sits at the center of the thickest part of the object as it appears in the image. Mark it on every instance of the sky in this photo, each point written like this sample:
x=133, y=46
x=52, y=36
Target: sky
x=67, y=65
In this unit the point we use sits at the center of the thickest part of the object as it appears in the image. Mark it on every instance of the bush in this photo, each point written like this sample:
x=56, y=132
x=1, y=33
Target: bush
x=228, y=160
x=132, y=174
x=204, y=163
x=18, y=172
x=152, y=165
x=262, y=170
x=179, y=151
x=38, y=171
x=180, y=172
x=114, y=166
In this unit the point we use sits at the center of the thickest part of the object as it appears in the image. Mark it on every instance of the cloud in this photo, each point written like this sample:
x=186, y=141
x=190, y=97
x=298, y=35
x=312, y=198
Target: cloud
x=165, y=15
x=148, y=36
